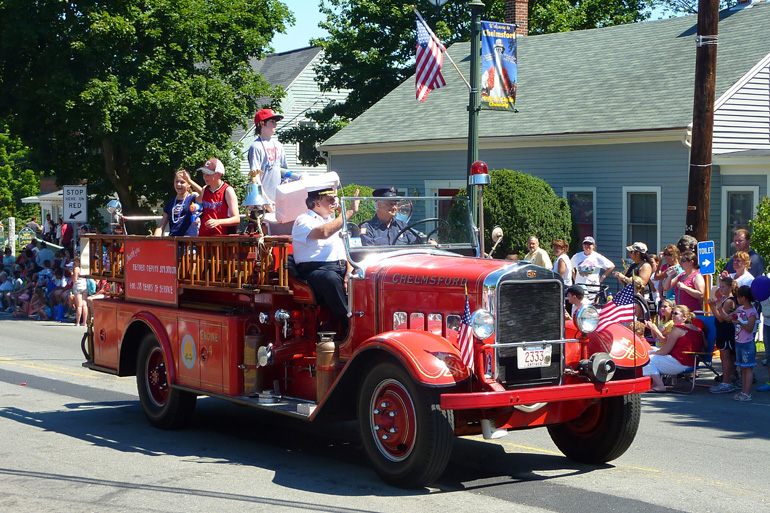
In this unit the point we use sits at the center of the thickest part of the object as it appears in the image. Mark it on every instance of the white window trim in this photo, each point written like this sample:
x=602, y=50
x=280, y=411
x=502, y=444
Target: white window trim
x=432, y=187
x=565, y=194
x=626, y=190
x=726, y=241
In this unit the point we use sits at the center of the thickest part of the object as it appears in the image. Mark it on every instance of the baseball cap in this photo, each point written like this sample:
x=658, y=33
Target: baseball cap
x=212, y=166
x=639, y=247
x=589, y=239
x=265, y=114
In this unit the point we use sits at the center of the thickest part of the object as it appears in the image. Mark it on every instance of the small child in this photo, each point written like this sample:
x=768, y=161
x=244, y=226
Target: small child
x=664, y=322
x=723, y=305
x=745, y=319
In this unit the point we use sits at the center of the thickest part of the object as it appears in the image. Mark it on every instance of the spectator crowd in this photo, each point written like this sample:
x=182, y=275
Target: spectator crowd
x=43, y=284
x=669, y=290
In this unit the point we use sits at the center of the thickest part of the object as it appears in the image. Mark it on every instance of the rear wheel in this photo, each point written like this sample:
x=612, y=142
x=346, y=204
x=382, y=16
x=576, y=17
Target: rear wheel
x=406, y=435
x=165, y=407
x=602, y=433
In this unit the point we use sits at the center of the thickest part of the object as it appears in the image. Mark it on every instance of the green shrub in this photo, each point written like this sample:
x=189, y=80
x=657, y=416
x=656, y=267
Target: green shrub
x=524, y=205
x=760, y=230
x=366, y=210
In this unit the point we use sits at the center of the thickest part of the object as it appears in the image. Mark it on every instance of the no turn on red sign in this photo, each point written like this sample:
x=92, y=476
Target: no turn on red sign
x=75, y=203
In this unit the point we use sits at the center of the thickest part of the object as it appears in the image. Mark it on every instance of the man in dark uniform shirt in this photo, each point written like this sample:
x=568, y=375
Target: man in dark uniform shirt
x=383, y=228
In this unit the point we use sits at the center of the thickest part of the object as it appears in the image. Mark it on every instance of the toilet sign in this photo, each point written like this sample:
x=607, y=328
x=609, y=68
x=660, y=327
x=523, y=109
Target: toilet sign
x=75, y=203
x=706, y=257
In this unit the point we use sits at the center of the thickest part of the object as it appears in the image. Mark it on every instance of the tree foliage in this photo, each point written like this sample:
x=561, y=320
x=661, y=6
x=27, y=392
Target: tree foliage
x=546, y=16
x=523, y=205
x=125, y=92
x=371, y=45
x=17, y=181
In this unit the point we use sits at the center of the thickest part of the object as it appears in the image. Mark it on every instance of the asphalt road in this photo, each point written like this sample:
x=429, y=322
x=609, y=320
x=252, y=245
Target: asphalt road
x=72, y=440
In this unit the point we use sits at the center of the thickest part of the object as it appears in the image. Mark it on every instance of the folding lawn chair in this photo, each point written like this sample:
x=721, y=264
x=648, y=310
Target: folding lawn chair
x=703, y=359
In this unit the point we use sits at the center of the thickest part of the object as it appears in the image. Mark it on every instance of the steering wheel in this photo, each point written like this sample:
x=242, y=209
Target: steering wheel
x=441, y=224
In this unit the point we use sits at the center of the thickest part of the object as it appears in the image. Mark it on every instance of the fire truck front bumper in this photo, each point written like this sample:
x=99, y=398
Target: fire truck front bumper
x=484, y=400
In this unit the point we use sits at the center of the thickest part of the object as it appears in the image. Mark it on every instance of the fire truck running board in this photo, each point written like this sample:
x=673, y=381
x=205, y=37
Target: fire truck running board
x=297, y=408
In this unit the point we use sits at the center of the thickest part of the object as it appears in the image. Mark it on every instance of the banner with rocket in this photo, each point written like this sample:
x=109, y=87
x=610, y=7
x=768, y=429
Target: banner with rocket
x=498, y=66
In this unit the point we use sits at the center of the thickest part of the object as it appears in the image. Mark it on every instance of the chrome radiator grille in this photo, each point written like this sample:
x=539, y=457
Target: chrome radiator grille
x=529, y=311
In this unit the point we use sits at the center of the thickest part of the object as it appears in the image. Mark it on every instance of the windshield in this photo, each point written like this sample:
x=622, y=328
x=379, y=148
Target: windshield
x=409, y=222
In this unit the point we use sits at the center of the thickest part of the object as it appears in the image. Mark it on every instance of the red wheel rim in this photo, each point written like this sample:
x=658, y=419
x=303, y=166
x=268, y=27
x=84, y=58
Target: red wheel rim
x=393, y=420
x=157, y=378
x=589, y=421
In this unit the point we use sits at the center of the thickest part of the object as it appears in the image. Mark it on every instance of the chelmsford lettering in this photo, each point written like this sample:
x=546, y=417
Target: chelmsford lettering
x=446, y=281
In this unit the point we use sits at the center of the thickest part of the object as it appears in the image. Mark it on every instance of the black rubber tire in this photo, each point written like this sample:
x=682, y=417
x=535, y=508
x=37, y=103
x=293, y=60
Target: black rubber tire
x=430, y=448
x=602, y=433
x=175, y=409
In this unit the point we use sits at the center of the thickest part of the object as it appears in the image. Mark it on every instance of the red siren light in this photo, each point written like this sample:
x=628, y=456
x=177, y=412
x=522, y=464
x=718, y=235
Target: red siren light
x=479, y=174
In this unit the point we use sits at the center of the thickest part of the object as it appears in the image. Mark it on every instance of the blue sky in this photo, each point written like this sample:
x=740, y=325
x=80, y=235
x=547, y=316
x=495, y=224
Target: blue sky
x=306, y=27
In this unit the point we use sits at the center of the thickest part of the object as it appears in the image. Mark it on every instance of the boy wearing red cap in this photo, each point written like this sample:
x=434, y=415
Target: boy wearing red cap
x=266, y=155
x=220, y=214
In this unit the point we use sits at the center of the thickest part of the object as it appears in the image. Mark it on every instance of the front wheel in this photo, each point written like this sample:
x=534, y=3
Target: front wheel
x=165, y=407
x=602, y=433
x=406, y=435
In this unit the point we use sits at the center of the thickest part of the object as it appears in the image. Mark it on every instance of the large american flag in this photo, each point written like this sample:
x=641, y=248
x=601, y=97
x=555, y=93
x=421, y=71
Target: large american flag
x=465, y=338
x=620, y=309
x=430, y=57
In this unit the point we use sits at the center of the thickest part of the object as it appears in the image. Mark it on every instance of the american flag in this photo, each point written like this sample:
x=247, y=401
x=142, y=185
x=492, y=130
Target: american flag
x=465, y=338
x=430, y=57
x=620, y=309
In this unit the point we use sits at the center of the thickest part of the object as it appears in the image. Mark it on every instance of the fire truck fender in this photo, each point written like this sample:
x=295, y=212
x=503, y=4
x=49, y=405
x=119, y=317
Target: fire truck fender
x=431, y=359
x=625, y=348
x=137, y=328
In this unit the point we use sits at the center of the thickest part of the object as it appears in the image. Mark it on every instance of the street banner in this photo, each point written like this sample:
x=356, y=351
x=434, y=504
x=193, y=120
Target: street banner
x=151, y=271
x=498, y=66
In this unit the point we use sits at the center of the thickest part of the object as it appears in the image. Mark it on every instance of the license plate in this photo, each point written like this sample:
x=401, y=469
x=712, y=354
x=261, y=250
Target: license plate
x=530, y=357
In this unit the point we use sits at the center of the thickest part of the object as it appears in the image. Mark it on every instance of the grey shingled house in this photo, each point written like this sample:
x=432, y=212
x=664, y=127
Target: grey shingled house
x=603, y=118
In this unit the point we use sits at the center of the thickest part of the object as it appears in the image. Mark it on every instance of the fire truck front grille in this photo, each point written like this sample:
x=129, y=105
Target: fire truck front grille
x=529, y=311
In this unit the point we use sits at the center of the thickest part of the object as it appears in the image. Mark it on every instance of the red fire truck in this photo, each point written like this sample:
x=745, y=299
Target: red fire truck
x=226, y=317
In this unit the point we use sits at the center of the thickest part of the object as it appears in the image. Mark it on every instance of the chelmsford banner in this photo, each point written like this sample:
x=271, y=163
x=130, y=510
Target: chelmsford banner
x=498, y=66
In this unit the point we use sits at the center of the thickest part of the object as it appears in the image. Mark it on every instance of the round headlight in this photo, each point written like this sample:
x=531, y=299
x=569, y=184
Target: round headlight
x=587, y=319
x=483, y=324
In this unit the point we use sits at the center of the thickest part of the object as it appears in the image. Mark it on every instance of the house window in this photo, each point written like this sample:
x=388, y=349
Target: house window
x=641, y=217
x=582, y=205
x=738, y=206
x=441, y=188
x=306, y=152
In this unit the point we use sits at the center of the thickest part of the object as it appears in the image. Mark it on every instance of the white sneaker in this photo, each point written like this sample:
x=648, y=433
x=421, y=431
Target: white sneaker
x=722, y=388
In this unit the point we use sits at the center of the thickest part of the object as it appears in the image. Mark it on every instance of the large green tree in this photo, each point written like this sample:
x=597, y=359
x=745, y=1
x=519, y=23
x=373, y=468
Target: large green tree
x=371, y=44
x=124, y=92
x=546, y=16
x=17, y=180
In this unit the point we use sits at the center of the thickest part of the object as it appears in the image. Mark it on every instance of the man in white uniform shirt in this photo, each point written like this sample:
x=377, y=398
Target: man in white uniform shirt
x=319, y=251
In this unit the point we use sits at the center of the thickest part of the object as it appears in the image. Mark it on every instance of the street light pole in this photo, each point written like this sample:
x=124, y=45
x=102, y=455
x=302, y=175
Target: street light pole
x=474, y=102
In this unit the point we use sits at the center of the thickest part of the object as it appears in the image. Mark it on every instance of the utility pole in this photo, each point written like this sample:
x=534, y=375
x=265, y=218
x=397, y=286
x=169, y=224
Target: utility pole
x=699, y=189
x=474, y=102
